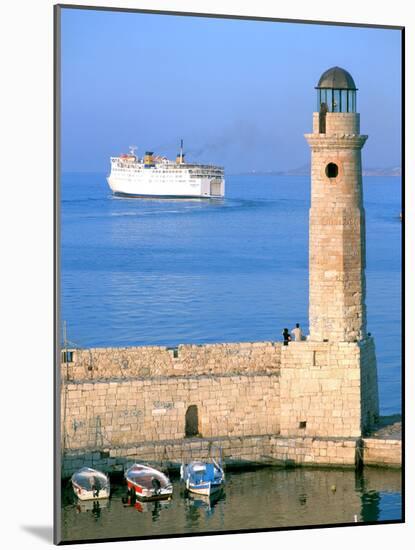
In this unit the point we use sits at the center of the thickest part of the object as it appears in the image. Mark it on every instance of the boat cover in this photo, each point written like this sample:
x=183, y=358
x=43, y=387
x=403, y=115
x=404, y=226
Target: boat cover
x=210, y=473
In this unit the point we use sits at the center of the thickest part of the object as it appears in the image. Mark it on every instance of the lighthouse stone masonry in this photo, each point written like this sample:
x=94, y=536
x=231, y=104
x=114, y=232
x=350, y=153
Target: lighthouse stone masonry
x=310, y=402
x=331, y=380
x=337, y=217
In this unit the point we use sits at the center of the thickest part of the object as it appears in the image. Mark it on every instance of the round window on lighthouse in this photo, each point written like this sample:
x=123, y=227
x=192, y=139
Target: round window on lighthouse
x=332, y=170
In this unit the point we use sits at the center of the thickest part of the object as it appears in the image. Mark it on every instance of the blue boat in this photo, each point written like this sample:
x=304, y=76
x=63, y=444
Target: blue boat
x=203, y=478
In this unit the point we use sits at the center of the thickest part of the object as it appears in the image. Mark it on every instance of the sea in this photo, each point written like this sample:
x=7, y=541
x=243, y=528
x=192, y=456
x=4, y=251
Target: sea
x=267, y=498
x=138, y=272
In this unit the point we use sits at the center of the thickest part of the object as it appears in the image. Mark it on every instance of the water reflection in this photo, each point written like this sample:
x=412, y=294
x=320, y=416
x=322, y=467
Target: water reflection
x=264, y=498
x=370, y=499
x=198, y=506
x=92, y=506
x=152, y=507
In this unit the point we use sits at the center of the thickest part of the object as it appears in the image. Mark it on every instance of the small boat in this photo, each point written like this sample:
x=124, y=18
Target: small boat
x=148, y=483
x=90, y=484
x=203, y=478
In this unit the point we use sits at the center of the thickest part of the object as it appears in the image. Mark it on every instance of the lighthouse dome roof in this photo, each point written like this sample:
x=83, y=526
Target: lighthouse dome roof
x=336, y=78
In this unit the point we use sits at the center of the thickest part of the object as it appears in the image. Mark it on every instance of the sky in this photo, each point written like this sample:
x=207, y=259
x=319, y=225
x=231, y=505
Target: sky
x=240, y=93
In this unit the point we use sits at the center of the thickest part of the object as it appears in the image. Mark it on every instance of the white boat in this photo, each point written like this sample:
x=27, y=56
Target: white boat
x=203, y=478
x=148, y=483
x=157, y=176
x=90, y=484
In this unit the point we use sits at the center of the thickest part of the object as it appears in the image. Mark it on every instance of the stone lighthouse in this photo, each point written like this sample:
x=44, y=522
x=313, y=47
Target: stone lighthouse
x=329, y=382
x=337, y=310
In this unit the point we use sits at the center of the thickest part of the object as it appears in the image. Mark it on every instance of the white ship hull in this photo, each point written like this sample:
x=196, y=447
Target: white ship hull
x=166, y=180
x=148, y=185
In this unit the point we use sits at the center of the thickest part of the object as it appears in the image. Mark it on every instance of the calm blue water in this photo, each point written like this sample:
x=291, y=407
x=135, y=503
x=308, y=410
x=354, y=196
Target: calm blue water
x=144, y=272
x=264, y=498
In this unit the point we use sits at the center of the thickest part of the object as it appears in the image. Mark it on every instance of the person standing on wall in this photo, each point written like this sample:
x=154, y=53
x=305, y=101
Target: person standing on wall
x=286, y=336
x=297, y=333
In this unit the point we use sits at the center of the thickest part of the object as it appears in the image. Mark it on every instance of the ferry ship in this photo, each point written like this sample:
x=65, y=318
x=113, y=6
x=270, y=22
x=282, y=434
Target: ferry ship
x=158, y=177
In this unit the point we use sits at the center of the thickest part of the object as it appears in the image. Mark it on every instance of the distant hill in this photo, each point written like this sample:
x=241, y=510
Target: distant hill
x=304, y=170
x=391, y=171
x=259, y=173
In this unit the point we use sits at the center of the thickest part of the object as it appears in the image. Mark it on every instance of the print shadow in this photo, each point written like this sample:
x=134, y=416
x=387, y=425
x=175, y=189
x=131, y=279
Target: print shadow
x=43, y=532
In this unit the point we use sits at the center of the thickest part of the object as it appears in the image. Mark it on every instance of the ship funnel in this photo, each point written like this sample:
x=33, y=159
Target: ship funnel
x=148, y=159
x=180, y=156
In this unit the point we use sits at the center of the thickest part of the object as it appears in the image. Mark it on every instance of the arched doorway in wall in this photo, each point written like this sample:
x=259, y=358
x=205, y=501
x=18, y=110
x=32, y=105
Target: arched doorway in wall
x=192, y=421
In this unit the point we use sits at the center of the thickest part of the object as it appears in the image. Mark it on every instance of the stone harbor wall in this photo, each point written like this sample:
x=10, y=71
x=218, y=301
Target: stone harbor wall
x=382, y=452
x=241, y=452
x=305, y=403
x=122, y=412
x=237, y=452
x=184, y=360
x=323, y=386
x=384, y=447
